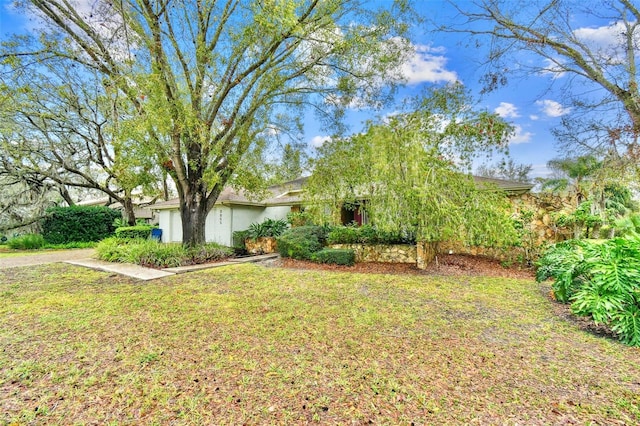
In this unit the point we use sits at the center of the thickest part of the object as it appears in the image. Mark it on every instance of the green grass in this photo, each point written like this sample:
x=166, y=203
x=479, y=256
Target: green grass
x=254, y=345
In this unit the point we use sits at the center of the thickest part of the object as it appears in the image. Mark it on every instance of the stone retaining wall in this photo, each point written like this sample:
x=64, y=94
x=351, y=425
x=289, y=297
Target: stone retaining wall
x=262, y=245
x=394, y=253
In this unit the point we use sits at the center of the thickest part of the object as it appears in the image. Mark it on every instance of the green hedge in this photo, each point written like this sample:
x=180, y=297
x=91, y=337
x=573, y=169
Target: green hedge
x=63, y=225
x=368, y=234
x=301, y=242
x=336, y=256
x=133, y=232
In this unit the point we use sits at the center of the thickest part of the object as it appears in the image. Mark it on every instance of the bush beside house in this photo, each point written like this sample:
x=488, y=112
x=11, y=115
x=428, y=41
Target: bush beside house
x=78, y=224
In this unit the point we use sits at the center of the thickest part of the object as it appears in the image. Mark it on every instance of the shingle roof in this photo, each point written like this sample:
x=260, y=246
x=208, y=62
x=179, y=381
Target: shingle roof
x=290, y=193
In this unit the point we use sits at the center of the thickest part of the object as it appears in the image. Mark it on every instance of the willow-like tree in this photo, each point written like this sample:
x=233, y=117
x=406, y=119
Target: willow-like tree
x=207, y=80
x=596, y=67
x=412, y=171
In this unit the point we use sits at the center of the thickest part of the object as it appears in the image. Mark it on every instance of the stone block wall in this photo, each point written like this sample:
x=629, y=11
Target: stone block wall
x=262, y=245
x=394, y=253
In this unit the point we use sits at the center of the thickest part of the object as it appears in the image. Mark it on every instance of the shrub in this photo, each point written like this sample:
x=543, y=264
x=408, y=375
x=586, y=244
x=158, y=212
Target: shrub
x=78, y=224
x=302, y=241
x=159, y=255
x=601, y=280
x=238, y=241
x=268, y=228
x=133, y=232
x=296, y=219
x=368, y=234
x=336, y=256
x=26, y=242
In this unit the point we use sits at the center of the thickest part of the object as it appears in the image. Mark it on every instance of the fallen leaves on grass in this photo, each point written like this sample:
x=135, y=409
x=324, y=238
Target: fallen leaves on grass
x=252, y=345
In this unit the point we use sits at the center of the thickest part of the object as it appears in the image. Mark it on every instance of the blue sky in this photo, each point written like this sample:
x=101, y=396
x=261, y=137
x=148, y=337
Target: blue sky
x=532, y=105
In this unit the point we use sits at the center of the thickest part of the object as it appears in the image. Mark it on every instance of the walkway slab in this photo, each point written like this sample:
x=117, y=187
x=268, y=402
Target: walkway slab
x=127, y=269
x=235, y=261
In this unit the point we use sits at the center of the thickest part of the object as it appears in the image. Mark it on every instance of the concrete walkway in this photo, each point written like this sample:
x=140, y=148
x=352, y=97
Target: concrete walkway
x=127, y=269
x=85, y=258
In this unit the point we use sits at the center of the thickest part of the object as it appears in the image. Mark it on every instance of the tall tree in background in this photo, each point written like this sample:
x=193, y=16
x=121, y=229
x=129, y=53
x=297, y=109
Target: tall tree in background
x=290, y=166
x=203, y=82
x=506, y=169
x=598, y=66
x=413, y=172
x=62, y=128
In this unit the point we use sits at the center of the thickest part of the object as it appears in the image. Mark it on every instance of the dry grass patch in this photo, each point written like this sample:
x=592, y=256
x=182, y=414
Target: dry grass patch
x=254, y=345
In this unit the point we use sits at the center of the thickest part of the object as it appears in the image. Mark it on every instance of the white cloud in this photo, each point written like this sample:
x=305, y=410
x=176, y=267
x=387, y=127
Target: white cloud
x=427, y=64
x=520, y=136
x=507, y=110
x=552, y=108
x=553, y=68
x=317, y=141
x=540, y=170
x=608, y=43
x=534, y=117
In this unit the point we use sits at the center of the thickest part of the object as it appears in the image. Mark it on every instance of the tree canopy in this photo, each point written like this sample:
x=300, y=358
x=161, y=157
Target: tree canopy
x=599, y=73
x=197, y=87
x=412, y=170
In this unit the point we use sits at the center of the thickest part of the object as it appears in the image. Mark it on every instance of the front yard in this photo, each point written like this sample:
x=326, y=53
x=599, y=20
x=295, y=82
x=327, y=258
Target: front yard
x=256, y=345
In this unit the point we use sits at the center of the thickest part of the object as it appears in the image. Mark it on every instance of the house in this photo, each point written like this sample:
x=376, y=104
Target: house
x=234, y=211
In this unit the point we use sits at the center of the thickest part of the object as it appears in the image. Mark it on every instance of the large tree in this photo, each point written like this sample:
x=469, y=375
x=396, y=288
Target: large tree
x=61, y=128
x=597, y=65
x=412, y=170
x=205, y=81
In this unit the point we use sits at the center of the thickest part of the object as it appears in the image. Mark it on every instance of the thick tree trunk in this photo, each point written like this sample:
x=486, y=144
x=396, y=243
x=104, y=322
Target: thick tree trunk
x=127, y=211
x=193, y=212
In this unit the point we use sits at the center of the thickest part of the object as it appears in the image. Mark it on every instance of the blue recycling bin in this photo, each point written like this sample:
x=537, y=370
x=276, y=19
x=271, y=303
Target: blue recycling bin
x=156, y=234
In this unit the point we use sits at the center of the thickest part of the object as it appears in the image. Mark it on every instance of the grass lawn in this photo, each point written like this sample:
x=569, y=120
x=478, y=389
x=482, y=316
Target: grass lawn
x=254, y=345
x=7, y=252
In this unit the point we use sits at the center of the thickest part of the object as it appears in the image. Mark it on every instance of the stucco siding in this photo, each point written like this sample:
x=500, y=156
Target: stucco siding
x=275, y=212
x=221, y=223
x=243, y=216
x=218, y=225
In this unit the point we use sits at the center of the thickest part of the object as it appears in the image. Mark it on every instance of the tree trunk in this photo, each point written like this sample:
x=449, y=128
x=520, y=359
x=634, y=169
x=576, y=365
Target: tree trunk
x=127, y=211
x=193, y=212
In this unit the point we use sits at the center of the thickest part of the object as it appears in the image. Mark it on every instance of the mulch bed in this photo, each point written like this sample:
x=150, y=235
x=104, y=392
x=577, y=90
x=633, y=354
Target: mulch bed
x=454, y=264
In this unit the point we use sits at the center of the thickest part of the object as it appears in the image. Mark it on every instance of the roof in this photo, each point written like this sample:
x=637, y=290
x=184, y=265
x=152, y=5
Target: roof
x=290, y=193
x=505, y=185
x=286, y=194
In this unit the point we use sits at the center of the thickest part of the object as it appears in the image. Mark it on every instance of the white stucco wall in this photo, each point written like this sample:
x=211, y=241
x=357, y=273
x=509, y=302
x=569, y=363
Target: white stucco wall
x=218, y=225
x=221, y=223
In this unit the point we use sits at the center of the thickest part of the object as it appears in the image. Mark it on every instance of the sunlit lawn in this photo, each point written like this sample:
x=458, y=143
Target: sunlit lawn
x=255, y=345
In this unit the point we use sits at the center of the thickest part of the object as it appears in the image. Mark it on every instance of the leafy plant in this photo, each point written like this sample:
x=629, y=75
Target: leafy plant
x=301, y=242
x=160, y=255
x=335, y=256
x=239, y=238
x=268, y=228
x=601, y=280
x=26, y=242
x=299, y=219
x=120, y=222
x=133, y=232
